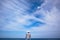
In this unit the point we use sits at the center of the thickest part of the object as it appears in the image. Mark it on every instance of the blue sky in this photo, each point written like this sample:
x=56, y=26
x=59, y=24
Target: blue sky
x=40, y=17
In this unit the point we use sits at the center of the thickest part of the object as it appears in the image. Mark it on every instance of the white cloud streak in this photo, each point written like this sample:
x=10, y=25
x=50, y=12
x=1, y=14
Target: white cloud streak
x=51, y=19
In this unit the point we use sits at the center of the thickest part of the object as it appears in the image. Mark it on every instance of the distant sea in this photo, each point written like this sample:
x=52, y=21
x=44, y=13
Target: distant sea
x=31, y=38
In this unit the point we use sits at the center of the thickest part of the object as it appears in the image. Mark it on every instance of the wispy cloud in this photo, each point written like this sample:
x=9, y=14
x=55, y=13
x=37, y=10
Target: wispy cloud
x=43, y=22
